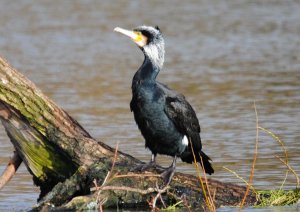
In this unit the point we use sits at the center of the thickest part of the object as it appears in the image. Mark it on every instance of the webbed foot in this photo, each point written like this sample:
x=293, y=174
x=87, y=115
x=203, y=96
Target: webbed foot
x=169, y=172
x=144, y=166
x=167, y=175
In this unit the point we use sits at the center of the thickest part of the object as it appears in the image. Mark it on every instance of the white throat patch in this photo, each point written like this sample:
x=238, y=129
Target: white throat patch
x=185, y=141
x=155, y=54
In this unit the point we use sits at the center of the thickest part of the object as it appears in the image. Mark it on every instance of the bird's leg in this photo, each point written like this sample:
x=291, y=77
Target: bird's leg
x=152, y=162
x=169, y=172
x=143, y=167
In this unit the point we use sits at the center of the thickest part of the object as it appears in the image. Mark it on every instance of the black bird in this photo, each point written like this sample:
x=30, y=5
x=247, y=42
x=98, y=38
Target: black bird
x=165, y=118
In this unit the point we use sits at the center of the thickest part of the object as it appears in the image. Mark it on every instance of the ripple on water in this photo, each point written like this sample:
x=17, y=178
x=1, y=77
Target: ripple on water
x=223, y=55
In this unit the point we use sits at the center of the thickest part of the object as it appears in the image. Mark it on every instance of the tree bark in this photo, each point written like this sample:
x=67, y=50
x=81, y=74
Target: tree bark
x=74, y=170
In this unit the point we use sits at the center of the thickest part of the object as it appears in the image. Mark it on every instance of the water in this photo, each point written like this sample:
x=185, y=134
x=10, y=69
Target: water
x=223, y=55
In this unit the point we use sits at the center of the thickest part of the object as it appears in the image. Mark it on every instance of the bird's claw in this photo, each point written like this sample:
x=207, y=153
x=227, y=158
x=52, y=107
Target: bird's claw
x=144, y=166
x=167, y=175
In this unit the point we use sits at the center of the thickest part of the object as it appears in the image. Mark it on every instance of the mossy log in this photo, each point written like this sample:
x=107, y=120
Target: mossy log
x=73, y=170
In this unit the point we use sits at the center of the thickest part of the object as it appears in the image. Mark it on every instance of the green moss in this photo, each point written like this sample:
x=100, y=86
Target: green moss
x=27, y=133
x=29, y=105
x=42, y=158
x=278, y=197
x=82, y=202
x=175, y=206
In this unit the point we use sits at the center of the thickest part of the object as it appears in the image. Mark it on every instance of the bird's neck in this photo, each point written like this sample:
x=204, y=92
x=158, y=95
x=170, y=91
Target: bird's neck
x=147, y=72
x=153, y=62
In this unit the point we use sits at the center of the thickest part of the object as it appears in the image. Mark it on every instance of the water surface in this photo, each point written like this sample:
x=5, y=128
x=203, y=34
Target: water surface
x=223, y=55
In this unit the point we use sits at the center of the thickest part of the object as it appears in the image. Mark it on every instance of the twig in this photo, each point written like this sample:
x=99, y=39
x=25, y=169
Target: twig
x=161, y=199
x=99, y=201
x=253, y=163
x=100, y=204
x=137, y=190
x=233, y=172
x=125, y=188
x=277, y=139
x=106, y=178
x=10, y=170
x=290, y=168
x=137, y=175
x=124, y=176
x=95, y=183
x=156, y=197
x=283, y=148
x=112, y=166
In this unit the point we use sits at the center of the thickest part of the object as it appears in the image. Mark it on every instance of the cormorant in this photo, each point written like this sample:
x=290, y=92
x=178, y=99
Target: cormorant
x=166, y=120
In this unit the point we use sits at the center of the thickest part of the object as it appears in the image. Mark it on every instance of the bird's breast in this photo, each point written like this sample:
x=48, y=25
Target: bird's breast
x=160, y=133
x=148, y=106
x=148, y=100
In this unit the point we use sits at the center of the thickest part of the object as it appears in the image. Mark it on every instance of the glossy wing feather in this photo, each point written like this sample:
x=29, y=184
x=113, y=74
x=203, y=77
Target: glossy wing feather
x=183, y=116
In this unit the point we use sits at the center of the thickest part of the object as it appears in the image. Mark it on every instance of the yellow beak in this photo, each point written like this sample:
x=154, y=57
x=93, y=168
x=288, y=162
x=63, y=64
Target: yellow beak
x=136, y=36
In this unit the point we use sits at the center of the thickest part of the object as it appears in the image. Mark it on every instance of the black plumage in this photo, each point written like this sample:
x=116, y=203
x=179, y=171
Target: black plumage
x=165, y=118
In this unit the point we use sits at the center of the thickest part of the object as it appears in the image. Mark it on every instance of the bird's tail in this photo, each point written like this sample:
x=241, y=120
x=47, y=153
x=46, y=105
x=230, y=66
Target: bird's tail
x=187, y=156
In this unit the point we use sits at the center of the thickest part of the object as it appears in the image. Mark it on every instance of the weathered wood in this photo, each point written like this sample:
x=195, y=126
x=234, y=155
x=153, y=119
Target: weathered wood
x=47, y=163
x=66, y=162
x=11, y=169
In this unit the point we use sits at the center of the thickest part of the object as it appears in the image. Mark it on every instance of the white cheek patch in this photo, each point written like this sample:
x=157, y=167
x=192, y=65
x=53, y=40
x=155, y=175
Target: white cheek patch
x=155, y=53
x=185, y=141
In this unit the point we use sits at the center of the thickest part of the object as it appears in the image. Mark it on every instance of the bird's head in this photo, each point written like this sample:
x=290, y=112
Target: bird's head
x=150, y=41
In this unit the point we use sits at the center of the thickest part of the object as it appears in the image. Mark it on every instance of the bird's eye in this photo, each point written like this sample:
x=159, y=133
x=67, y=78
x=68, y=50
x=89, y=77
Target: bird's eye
x=138, y=33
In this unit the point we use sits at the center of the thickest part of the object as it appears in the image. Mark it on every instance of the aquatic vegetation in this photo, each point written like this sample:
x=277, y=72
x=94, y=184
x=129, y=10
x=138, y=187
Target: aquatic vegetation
x=278, y=197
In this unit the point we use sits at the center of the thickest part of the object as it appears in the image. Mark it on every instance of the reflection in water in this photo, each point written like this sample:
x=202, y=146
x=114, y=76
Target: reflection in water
x=222, y=55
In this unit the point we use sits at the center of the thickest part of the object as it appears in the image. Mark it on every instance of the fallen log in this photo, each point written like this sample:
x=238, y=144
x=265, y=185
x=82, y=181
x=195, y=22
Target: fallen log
x=74, y=171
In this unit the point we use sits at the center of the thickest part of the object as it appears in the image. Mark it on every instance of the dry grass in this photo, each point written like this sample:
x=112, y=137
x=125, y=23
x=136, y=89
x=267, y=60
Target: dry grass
x=266, y=198
x=205, y=188
x=253, y=163
x=271, y=197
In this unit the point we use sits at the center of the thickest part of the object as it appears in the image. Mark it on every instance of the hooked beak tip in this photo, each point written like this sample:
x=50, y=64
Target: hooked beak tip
x=117, y=29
